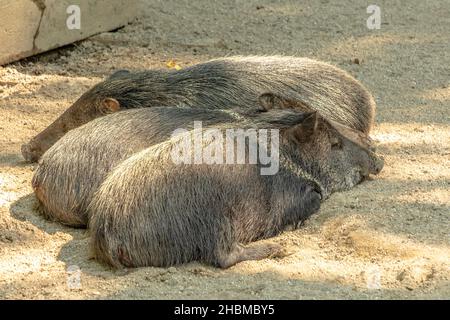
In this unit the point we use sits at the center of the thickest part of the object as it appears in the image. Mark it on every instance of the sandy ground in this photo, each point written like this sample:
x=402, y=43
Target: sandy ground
x=386, y=239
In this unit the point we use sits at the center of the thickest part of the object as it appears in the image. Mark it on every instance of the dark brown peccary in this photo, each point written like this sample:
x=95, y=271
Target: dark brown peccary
x=219, y=84
x=151, y=211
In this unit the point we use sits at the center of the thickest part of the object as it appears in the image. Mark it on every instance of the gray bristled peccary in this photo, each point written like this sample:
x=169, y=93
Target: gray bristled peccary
x=155, y=211
x=218, y=84
x=71, y=170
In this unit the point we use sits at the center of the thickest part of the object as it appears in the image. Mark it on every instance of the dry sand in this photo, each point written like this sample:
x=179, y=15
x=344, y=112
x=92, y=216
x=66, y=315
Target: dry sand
x=386, y=238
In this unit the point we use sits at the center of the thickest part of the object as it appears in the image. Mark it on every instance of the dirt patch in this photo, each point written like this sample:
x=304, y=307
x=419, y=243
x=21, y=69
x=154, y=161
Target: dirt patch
x=387, y=238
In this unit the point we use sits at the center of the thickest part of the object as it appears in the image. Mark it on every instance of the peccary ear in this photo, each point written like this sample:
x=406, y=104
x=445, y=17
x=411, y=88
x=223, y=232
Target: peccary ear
x=109, y=105
x=119, y=73
x=305, y=130
x=268, y=101
x=271, y=100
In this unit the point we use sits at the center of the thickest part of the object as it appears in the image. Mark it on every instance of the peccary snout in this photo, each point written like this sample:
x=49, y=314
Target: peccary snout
x=376, y=165
x=30, y=152
x=81, y=112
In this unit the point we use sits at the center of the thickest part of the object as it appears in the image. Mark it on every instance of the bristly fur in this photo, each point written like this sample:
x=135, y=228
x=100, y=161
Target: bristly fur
x=238, y=81
x=69, y=172
x=152, y=212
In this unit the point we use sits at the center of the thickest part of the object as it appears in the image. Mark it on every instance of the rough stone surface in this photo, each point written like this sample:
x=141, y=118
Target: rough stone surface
x=42, y=24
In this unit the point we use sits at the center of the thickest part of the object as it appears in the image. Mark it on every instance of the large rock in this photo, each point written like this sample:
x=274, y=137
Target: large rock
x=28, y=27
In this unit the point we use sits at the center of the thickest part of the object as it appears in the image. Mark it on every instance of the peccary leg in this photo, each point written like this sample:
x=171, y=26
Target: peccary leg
x=295, y=216
x=254, y=251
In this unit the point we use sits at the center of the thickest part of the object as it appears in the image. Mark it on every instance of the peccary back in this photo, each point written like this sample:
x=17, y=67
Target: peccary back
x=219, y=84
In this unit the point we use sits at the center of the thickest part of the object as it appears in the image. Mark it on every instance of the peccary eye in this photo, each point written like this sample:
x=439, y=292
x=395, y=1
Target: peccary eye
x=336, y=143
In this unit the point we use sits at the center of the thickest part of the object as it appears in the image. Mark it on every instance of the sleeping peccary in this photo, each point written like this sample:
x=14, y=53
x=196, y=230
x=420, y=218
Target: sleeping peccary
x=218, y=84
x=155, y=210
x=72, y=169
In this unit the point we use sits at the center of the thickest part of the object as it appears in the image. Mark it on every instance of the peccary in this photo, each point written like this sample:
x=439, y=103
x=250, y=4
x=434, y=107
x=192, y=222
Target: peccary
x=217, y=84
x=154, y=211
x=72, y=169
